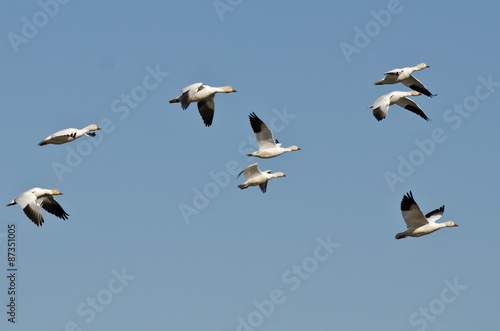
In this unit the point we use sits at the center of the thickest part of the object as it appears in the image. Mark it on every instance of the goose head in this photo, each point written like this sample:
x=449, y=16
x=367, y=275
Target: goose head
x=93, y=127
x=422, y=66
x=229, y=89
x=450, y=224
x=56, y=192
x=415, y=93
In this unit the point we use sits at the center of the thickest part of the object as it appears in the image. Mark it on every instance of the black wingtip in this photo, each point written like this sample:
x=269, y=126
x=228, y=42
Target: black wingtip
x=255, y=122
x=407, y=201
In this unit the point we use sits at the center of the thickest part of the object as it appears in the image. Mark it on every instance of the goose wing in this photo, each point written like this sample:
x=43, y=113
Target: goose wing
x=51, y=205
x=206, y=107
x=394, y=72
x=434, y=215
x=188, y=94
x=381, y=107
x=28, y=203
x=262, y=132
x=61, y=137
x=416, y=85
x=263, y=187
x=412, y=214
x=250, y=171
x=412, y=106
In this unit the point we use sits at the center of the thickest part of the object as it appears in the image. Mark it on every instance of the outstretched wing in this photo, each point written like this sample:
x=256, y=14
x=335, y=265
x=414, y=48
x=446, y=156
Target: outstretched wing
x=250, y=171
x=262, y=132
x=381, y=107
x=27, y=202
x=416, y=85
x=434, y=215
x=413, y=216
x=51, y=205
x=412, y=106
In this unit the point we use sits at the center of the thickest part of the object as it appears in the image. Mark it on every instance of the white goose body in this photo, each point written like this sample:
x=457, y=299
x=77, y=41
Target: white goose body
x=256, y=177
x=417, y=224
x=67, y=135
x=204, y=95
x=381, y=105
x=404, y=75
x=268, y=146
x=31, y=201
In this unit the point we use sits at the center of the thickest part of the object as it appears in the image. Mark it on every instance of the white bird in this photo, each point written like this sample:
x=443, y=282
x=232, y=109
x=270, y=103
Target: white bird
x=405, y=76
x=268, y=147
x=67, y=135
x=31, y=201
x=417, y=224
x=256, y=177
x=205, y=96
x=381, y=105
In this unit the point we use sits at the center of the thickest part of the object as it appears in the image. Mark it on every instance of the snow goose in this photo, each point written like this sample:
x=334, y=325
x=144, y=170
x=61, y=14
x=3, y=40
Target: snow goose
x=405, y=76
x=256, y=177
x=67, y=135
x=381, y=105
x=417, y=224
x=205, y=96
x=268, y=147
x=31, y=201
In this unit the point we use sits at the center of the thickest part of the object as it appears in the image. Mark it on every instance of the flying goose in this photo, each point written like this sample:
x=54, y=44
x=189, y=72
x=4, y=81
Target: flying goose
x=268, y=146
x=405, y=76
x=67, y=135
x=381, y=105
x=205, y=96
x=256, y=177
x=31, y=201
x=417, y=224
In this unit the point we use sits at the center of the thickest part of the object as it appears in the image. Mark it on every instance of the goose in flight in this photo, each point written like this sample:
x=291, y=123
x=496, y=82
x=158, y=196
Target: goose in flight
x=268, y=146
x=205, y=96
x=381, y=105
x=417, y=224
x=256, y=177
x=67, y=135
x=31, y=201
x=405, y=76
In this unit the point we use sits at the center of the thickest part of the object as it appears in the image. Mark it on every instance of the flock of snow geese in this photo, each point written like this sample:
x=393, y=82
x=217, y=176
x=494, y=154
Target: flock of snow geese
x=417, y=223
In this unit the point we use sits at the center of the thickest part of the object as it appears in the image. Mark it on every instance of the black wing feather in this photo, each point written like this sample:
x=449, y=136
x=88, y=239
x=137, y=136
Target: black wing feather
x=206, y=112
x=439, y=211
x=53, y=207
x=33, y=216
x=263, y=187
x=424, y=91
x=255, y=122
x=417, y=111
x=407, y=202
x=379, y=114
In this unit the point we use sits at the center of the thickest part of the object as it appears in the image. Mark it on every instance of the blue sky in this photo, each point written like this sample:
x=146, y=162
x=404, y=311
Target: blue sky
x=159, y=236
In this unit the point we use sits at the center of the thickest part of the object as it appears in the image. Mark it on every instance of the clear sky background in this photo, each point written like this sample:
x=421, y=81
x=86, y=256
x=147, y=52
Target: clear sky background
x=230, y=259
